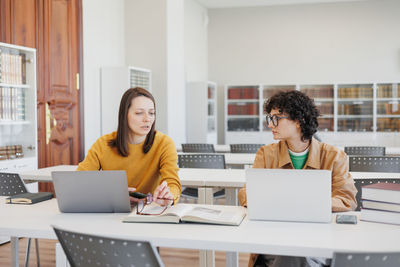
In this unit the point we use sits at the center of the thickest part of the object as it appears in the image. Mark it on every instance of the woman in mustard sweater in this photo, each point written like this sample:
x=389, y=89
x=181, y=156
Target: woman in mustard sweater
x=148, y=156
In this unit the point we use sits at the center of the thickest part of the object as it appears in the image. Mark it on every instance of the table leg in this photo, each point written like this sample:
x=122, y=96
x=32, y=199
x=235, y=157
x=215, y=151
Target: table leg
x=231, y=196
x=207, y=257
x=61, y=258
x=14, y=251
x=232, y=259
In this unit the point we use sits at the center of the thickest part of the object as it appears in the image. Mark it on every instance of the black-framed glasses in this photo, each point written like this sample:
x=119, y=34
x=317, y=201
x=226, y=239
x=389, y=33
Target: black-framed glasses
x=275, y=119
x=147, y=206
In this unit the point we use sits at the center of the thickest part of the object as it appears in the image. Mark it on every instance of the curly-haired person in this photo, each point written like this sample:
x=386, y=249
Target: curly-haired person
x=292, y=117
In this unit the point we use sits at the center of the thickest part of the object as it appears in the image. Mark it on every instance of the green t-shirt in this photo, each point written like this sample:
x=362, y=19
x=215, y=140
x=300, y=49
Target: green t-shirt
x=298, y=161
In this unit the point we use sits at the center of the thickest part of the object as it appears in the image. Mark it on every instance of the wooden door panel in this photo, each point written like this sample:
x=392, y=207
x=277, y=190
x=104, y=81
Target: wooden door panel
x=61, y=94
x=24, y=22
x=60, y=54
x=5, y=21
x=53, y=27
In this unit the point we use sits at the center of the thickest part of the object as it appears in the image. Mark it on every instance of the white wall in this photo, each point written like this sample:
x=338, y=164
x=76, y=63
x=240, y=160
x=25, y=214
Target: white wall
x=146, y=41
x=103, y=45
x=176, y=71
x=342, y=42
x=196, y=71
x=154, y=40
x=196, y=42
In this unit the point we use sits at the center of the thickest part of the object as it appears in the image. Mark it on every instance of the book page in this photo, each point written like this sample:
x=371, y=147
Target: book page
x=219, y=214
x=176, y=210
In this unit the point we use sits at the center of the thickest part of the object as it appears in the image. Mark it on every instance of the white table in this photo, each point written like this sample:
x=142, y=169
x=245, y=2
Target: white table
x=280, y=238
x=204, y=179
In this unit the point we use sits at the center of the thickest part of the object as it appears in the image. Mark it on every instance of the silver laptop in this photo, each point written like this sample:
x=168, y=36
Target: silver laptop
x=289, y=195
x=91, y=191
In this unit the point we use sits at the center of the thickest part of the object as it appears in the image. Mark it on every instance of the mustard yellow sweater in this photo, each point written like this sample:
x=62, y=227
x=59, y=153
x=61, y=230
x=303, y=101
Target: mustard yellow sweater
x=144, y=171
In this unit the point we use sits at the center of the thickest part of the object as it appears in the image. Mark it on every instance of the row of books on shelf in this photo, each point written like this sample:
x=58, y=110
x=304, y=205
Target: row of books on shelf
x=320, y=92
x=355, y=109
x=12, y=104
x=246, y=124
x=11, y=152
x=388, y=124
x=381, y=203
x=325, y=108
x=243, y=109
x=210, y=93
x=360, y=125
x=387, y=90
x=355, y=92
x=211, y=109
x=243, y=93
x=325, y=124
x=388, y=108
x=12, y=68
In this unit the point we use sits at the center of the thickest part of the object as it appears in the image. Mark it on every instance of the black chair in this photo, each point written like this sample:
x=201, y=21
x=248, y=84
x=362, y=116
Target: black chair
x=198, y=148
x=374, y=164
x=358, y=183
x=381, y=259
x=12, y=184
x=204, y=161
x=365, y=150
x=245, y=148
x=92, y=250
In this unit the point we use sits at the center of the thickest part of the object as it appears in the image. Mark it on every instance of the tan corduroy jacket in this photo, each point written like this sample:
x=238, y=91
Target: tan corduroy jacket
x=322, y=157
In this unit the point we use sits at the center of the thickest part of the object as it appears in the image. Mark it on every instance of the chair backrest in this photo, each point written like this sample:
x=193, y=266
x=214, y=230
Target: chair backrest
x=365, y=150
x=90, y=250
x=207, y=161
x=374, y=164
x=358, y=183
x=380, y=259
x=198, y=148
x=11, y=184
x=245, y=148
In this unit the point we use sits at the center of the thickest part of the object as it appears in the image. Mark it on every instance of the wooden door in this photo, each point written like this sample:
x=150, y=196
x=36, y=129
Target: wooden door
x=53, y=27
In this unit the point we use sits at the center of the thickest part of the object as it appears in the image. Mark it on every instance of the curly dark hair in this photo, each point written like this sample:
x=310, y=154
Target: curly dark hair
x=299, y=107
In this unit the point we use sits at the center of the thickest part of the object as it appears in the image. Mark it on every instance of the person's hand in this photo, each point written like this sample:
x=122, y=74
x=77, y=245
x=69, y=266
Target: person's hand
x=133, y=200
x=162, y=195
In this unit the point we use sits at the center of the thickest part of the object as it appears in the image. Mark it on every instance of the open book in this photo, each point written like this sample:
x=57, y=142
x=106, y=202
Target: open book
x=212, y=214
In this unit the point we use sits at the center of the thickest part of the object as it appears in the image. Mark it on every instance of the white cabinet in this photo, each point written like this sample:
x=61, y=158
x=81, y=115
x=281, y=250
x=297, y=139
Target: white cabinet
x=18, y=112
x=201, y=112
x=114, y=82
x=351, y=113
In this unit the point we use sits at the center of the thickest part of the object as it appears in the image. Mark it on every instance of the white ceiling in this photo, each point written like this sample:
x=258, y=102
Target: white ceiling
x=247, y=3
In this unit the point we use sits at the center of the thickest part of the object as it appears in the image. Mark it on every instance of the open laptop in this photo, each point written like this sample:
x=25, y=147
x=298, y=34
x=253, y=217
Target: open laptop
x=289, y=195
x=91, y=191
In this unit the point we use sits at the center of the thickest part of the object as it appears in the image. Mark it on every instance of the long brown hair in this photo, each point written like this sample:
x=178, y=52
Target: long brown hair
x=121, y=141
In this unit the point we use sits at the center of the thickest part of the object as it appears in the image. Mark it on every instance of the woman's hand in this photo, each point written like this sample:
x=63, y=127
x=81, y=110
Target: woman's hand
x=162, y=195
x=133, y=200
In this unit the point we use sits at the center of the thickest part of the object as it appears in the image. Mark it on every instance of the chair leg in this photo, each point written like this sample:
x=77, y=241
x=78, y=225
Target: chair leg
x=37, y=252
x=28, y=248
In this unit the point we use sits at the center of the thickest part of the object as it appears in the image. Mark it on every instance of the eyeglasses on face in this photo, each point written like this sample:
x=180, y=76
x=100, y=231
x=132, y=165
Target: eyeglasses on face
x=275, y=119
x=151, y=209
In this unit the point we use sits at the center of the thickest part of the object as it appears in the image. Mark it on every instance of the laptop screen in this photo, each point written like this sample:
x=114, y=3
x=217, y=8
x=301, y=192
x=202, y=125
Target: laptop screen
x=91, y=191
x=289, y=195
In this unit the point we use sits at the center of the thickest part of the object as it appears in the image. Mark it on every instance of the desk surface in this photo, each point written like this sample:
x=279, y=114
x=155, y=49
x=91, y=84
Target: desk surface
x=282, y=238
x=234, y=178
